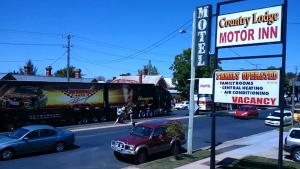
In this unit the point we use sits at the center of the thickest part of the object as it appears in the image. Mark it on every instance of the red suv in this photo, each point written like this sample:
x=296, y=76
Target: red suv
x=150, y=138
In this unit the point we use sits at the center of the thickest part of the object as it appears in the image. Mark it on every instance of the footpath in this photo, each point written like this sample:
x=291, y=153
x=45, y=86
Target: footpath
x=263, y=144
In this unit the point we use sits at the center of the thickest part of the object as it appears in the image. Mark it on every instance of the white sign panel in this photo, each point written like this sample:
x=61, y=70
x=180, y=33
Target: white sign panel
x=250, y=27
x=259, y=87
x=205, y=86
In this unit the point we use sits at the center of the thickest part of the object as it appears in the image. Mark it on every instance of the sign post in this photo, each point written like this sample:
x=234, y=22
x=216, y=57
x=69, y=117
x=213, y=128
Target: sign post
x=199, y=57
x=254, y=27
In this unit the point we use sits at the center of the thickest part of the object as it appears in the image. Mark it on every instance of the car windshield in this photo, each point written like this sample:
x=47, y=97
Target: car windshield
x=18, y=133
x=275, y=114
x=244, y=108
x=141, y=131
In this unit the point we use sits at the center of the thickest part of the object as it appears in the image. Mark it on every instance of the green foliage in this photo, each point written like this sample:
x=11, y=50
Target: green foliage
x=181, y=68
x=174, y=130
x=32, y=69
x=63, y=72
x=152, y=70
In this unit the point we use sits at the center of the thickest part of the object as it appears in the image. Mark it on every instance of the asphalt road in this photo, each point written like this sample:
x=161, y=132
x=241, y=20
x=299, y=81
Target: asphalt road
x=93, y=146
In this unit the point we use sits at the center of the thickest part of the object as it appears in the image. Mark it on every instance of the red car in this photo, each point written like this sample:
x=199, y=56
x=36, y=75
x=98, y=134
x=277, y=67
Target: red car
x=246, y=111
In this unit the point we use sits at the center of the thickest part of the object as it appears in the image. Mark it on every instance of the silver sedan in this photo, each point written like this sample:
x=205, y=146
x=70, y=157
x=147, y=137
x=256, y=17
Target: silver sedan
x=34, y=138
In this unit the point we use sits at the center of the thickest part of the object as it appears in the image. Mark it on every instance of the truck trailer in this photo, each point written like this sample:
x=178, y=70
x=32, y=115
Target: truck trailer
x=66, y=103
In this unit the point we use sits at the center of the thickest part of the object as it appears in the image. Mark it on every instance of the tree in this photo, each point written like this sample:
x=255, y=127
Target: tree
x=125, y=74
x=152, y=70
x=63, y=72
x=173, y=131
x=182, y=70
x=32, y=70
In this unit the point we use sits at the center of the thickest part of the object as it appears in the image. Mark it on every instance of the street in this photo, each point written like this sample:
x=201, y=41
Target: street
x=93, y=150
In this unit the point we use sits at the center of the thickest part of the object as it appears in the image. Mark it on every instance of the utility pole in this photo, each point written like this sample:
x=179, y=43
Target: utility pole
x=293, y=101
x=68, y=46
x=149, y=67
x=192, y=88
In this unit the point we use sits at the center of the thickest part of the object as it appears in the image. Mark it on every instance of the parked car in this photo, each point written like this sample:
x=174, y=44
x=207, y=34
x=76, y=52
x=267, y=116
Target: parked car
x=246, y=111
x=149, y=138
x=182, y=105
x=34, y=138
x=274, y=117
x=292, y=143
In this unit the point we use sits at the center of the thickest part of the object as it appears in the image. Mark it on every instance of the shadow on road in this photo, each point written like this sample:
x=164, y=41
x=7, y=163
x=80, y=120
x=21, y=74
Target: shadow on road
x=74, y=147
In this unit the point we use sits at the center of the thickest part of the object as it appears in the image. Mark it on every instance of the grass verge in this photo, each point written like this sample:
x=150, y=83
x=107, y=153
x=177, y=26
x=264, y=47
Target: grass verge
x=171, y=162
x=255, y=162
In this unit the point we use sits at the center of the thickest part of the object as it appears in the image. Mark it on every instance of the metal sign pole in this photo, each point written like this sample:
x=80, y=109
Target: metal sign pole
x=192, y=87
x=282, y=77
x=213, y=114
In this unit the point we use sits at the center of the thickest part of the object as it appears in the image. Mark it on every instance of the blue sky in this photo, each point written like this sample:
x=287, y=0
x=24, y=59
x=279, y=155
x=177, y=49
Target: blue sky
x=110, y=35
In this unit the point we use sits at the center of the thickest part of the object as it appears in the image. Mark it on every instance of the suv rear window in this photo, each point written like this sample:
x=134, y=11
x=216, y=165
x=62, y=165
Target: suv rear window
x=295, y=134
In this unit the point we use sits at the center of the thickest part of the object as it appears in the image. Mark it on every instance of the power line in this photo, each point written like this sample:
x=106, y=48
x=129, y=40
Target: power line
x=82, y=59
x=30, y=32
x=114, y=46
x=58, y=58
x=29, y=44
x=256, y=65
x=38, y=60
x=154, y=45
x=294, y=23
x=114, y=55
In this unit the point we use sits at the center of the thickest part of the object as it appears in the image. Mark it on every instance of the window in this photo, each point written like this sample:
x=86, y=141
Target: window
x=47, y=132
x=159, y=131
x=295, y=134
x=287, y=114
x=33, y=134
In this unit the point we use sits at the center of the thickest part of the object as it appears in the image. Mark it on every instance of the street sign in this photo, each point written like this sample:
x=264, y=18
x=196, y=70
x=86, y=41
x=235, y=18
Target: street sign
x=202, y=36
x=205, y=86
x=250, y=27
x=257, y=87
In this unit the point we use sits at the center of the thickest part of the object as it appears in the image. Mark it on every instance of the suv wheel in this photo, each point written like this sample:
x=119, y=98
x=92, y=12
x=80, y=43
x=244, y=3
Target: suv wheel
x=117, y=155
x=7, y=154
x=141, y=157
x=296, y=155
x=175, y=149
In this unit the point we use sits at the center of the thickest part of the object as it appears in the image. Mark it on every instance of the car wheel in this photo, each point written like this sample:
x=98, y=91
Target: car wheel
x=60, y=146
x=7, y=154
x=296, y=154
x=117, y=155
x=10, y=126
x=175, y=149
x=94, y=119
x=103, y=118
x=141, y=157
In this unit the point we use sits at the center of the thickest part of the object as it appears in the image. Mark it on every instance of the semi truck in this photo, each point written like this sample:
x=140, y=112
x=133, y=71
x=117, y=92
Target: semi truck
x=65, y=103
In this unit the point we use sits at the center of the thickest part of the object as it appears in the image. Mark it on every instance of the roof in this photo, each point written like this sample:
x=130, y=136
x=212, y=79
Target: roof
x=50, y=78
x=36, y=127
x=156, y=123
x=169, y=83
x=2, y=75
x=147, y=79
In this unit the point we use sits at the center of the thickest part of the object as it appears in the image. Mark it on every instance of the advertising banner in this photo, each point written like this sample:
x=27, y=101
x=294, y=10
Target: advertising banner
x=257, y=87
x=250, y=27
x=205, y=86
x=202, y=36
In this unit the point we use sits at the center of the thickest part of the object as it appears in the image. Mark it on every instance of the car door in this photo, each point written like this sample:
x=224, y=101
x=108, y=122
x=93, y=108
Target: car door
x=48, y=138
x=33, y=141
x=158, y=140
